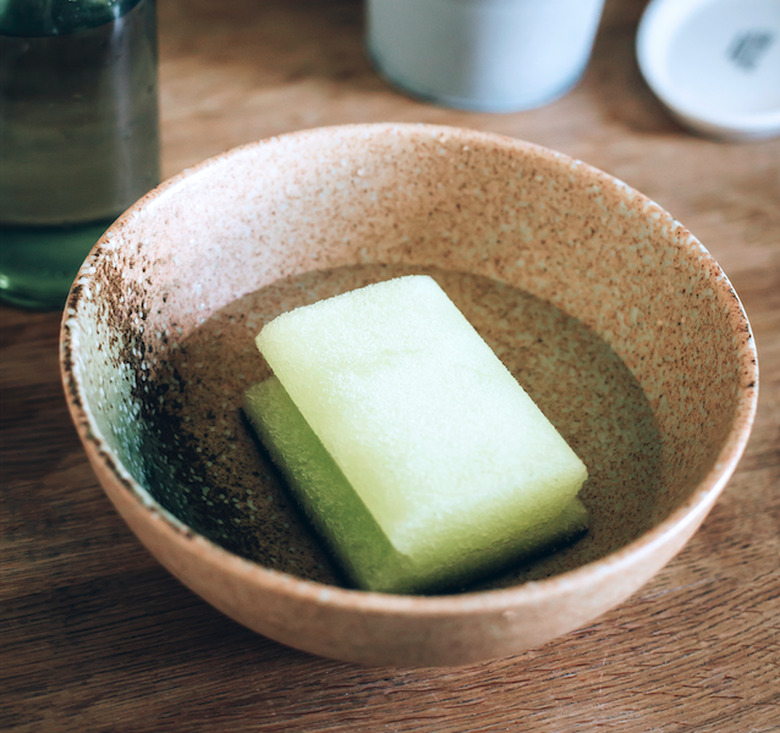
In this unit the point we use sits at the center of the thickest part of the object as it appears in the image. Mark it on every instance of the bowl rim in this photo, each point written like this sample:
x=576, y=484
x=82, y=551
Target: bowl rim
x=691, y=512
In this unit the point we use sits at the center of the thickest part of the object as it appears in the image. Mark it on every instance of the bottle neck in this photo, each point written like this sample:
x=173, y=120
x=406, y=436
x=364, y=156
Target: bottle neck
x=58, y=17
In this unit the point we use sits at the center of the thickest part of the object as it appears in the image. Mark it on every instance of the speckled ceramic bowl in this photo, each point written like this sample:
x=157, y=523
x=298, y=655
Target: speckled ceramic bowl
x=615, y=318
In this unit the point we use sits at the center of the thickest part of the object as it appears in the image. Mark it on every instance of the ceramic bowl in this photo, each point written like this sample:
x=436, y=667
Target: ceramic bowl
x=614, y=317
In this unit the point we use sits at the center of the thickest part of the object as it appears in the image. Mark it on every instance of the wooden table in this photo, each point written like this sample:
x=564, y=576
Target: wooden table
x=94, y=635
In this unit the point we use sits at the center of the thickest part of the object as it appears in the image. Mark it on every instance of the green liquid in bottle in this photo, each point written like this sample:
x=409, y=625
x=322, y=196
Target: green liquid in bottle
x=79, y=140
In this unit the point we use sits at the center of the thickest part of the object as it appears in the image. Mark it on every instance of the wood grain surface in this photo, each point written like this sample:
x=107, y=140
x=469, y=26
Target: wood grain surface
x=95, y=636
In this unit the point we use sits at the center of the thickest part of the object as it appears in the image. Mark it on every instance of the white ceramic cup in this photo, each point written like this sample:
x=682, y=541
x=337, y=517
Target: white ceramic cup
x=486, y=55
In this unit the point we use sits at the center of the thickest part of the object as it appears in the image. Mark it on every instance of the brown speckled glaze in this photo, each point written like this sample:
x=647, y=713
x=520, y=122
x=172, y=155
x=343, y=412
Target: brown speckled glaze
x=614, y=317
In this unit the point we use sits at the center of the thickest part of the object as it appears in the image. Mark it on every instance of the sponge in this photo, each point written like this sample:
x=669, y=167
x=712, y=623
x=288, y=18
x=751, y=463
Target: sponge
x=446, y=468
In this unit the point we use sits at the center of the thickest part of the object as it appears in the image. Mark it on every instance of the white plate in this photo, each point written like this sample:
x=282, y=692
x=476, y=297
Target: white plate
x=715, y=64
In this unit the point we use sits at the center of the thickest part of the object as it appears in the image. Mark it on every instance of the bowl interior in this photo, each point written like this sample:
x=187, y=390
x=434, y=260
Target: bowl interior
x=611, y=315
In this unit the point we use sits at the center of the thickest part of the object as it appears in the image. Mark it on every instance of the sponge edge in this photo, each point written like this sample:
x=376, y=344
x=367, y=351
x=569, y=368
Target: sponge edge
x=447, y=452
x=348, y=529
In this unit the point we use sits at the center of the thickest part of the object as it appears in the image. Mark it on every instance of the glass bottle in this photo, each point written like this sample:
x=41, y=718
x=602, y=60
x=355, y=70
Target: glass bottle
x=79, y=134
